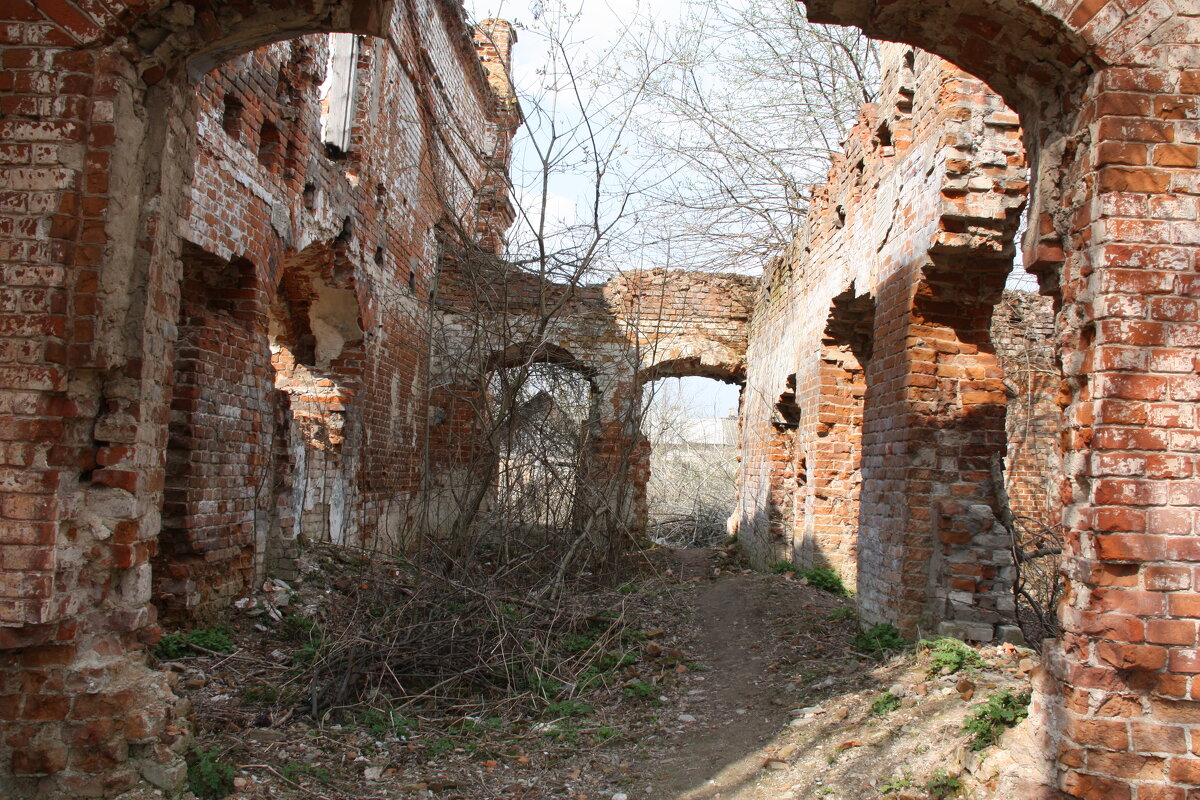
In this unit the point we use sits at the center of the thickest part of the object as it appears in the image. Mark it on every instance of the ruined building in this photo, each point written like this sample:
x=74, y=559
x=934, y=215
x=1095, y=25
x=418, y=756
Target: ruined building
x=236, y=313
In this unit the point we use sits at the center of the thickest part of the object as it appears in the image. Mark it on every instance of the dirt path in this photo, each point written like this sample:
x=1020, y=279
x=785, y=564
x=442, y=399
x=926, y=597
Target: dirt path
x=784, y=710
x=742, y=700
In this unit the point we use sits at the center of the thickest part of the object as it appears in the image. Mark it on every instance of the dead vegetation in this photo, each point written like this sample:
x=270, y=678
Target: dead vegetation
x=380, y=671
x=378, y=678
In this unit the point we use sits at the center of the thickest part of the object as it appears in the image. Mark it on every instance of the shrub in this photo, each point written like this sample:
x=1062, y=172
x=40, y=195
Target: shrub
x=879, y=639
x=885, y=704
x=950, y=655
x=207, y=776
x=783, y=567
x=1001, y=711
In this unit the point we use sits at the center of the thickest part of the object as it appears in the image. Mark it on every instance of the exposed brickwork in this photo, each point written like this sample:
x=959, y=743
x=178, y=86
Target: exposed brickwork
x=877, y=320
x=222, y=347
x=1107, y=93
x=116, y=149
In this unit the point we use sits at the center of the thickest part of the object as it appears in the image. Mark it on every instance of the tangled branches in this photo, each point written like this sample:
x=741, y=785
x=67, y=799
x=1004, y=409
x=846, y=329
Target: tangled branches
x=407, y=636
x=1039, y=583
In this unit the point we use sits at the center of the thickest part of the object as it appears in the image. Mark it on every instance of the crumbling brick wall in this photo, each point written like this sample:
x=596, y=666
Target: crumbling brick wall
x=1107, y=94
x=633, y=328
x=873, y=397
x=98, y=139
x=233, y=350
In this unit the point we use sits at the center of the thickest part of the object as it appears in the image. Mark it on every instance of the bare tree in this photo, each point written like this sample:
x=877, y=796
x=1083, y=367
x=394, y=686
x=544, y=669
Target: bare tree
x=741, y=107
x=516, y=413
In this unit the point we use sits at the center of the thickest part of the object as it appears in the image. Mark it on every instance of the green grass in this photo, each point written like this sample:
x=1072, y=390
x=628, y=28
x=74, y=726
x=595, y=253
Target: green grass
x=885, y=704
x=823, y=578
x=842, y=615
x=826, y=580
x=441, y=746
x=294, y=771
x=569, y=708
x=381, y=724
x=208, y=777
x=261, y=693
x=640, y=690
x=604, y=734
x=879, y=639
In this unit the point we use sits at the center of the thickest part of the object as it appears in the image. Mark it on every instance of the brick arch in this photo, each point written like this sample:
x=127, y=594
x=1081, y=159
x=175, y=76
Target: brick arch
x=694, y=367
x=689, y=356
x=1106, y=99
x=202, y=35
x=537, y=353
x=1020, y=47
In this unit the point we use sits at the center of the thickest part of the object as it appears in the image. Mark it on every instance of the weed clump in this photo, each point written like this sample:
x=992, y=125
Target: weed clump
x=382, y=724
x=879, y=639
x=842, y=615
x=640, y=690
x=208, y=777
x=942, y=785
x=885, y=704
x=823, y=578
x=949, y=655
x=181, y=643
x=569, y=708
x=1002, y=711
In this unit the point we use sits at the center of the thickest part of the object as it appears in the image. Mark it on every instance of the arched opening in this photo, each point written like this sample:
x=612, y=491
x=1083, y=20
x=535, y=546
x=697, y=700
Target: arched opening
x=1089, y=244
x=690, y=424
x=545, y=415
x=512, y=450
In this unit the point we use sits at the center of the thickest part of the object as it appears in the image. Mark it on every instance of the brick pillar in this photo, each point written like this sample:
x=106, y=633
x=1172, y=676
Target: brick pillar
x=932, y=548
x=1129, y=657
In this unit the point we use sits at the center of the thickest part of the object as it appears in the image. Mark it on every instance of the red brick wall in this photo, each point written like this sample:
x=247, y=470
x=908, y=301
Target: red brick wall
x=1107, y=95
x=878, y=316
x=136, y=405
